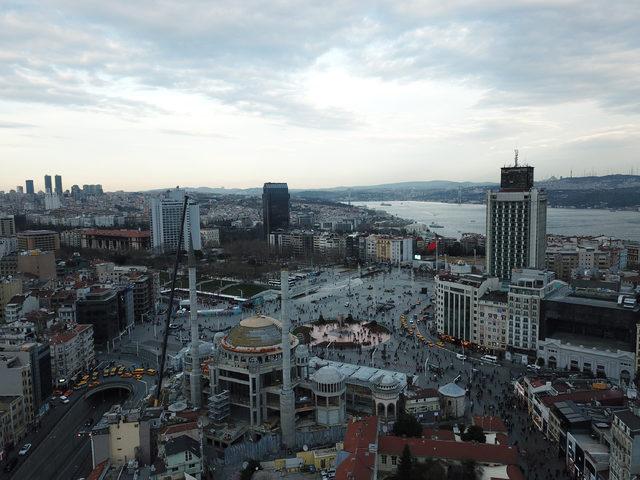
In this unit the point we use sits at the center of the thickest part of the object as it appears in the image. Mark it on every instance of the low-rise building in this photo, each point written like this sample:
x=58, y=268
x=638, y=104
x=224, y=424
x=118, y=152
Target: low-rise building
x=9, y=288
x=119, y=240
x=179, y=456
x=38, y=263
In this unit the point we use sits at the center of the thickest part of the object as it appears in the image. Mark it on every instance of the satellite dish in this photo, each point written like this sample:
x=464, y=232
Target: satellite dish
x=305, y=448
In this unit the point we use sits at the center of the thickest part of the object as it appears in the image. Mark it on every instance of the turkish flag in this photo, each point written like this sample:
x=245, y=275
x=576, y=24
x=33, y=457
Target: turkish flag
x=432, y=246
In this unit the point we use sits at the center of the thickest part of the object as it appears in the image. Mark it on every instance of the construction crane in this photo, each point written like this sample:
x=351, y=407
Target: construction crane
x=165, y=338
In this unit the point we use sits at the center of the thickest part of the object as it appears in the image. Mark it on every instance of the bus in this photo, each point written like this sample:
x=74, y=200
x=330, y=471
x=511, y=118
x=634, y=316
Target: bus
x=489, y=358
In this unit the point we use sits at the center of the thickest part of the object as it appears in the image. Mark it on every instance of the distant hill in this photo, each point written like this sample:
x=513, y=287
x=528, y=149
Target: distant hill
x=609, y=191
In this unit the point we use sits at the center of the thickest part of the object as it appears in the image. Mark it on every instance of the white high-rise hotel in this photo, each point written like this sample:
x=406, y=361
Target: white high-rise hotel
x=166, y=213
x=516, y=223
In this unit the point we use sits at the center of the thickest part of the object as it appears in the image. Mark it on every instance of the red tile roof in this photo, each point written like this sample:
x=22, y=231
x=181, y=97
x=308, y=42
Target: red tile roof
x=360, y=463
x=438, y=434
x=182, y=427
x=118, y=233
x=67, y=335
x=605, y=397
x=490, y=424
x=448, y=450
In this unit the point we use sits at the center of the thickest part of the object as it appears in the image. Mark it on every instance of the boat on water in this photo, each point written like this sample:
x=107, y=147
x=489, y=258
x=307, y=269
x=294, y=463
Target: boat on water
x=435, y=225
x=385, y=204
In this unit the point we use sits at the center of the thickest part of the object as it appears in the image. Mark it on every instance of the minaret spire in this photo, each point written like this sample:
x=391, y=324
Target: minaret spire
x=194, y=380
x=287, y=401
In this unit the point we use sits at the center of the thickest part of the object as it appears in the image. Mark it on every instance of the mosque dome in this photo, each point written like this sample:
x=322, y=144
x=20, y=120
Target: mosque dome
x=256, y=334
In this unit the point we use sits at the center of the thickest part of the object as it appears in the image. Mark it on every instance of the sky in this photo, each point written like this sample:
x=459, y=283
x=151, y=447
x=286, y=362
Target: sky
x=153, y=93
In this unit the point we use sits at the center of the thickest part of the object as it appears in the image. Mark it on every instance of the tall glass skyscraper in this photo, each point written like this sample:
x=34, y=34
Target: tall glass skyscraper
x=47, y=184
x=275, y=207
x=58, y=184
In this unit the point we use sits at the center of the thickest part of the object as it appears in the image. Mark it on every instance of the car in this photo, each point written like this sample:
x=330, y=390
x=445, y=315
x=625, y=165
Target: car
x=533, y=367
x=11, y=464
x=460, y=356
x=173, y=326
x=64, y=399
x=25, y=449
x=82, y=433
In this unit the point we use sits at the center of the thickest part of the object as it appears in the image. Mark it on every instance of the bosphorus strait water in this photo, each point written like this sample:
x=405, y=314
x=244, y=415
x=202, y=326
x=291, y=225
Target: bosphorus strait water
x=470, y=218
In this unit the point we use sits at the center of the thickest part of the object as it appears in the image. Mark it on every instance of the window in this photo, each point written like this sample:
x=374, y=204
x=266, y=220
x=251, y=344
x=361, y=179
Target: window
x=394, y=460
x=383, y=459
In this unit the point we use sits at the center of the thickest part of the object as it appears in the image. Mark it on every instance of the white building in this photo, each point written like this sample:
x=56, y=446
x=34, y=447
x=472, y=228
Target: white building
x=51, y=201
x=72, y=351
x=490, y=325
x=516, y=223
x=166, y=213
x=457, y=300
x=528, y=287
x=600, y=357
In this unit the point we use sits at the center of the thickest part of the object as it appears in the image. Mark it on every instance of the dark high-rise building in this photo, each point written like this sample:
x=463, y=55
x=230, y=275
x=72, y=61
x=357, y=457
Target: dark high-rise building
x=58, y=184
x=29, y=185
x=109, y=310
x=516, y=223
x=47, y=184
x=275, y=207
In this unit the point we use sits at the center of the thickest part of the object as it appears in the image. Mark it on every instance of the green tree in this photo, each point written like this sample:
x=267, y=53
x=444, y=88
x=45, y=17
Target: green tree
x=407, y=425
x=474, y=434
x=252, y=467
x=405, y=466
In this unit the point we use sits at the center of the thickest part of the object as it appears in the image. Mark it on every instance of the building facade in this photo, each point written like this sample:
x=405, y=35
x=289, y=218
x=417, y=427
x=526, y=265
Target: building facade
x=72, y=351
x=7, y=226
x=516, y=223
x=275, y=207
x=625, y=446
x=44, y=240
x=527, y=289
x=166, y=213
x=457, y=300
x=115, y=240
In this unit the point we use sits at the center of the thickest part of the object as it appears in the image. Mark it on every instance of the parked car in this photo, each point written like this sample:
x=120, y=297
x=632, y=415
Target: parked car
x=25, y=449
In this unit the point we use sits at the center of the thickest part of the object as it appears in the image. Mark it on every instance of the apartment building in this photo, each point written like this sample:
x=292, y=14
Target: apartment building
x=491, y=324
x=625, y=446
x=45, y=240
x=457, y=300
x=72, y=351
x=527, y=289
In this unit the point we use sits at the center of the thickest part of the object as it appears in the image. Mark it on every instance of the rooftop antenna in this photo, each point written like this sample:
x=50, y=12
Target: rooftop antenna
x=516, y=156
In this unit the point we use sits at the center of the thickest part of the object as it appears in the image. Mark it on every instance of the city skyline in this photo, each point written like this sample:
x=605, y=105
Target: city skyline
x=318, y=97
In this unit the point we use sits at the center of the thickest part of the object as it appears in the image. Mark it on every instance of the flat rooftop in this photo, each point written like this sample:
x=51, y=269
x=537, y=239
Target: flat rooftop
x=602, y=344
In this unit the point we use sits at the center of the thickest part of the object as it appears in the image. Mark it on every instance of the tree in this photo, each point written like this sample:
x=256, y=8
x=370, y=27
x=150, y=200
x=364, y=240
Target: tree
x=252, y=467
x=430, y=469
x=474, y=434
x=405, y=467
x=407, y=425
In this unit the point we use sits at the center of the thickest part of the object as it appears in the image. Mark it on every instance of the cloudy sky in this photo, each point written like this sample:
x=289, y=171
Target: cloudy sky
x=153, y=93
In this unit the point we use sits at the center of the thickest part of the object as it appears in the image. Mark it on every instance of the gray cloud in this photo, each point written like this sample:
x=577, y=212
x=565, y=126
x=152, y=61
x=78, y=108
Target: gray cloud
x=246, y=54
